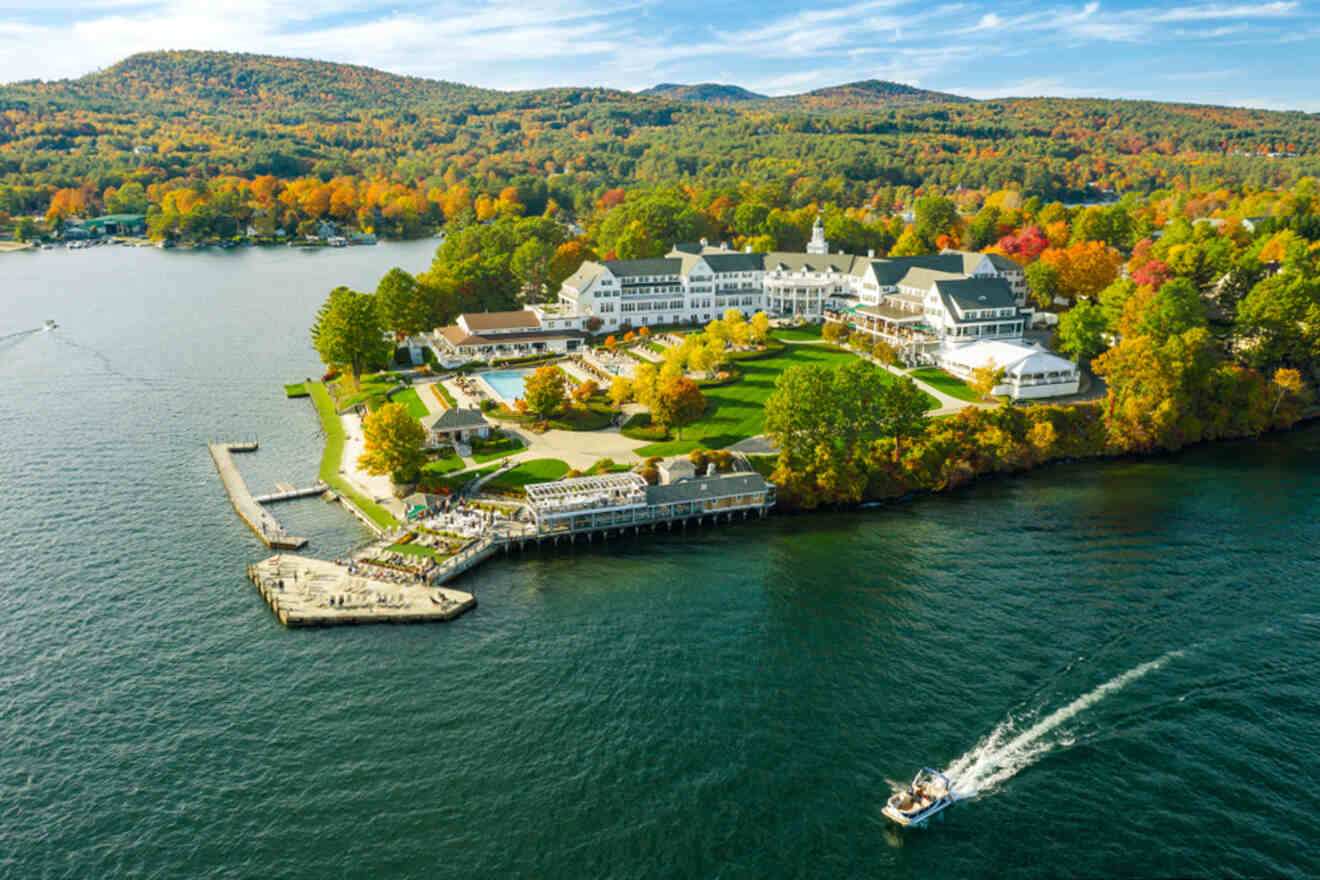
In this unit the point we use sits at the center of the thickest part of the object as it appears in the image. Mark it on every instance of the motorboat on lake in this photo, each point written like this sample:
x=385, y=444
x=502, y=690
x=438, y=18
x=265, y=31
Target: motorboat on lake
x=929, y=793
x=50, y=324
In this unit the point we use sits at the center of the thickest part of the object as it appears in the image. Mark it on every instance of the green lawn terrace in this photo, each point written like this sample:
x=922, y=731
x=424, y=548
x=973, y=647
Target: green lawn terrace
x=945, y=383
x=373, y=388
x=736, y=411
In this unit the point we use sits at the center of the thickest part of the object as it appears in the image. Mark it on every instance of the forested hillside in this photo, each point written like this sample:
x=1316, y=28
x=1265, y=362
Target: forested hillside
x=208, y=142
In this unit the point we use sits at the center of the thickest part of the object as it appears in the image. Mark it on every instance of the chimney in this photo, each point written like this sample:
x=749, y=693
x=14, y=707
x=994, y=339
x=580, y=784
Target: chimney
x=870, y=252
x=724, y=245
x=747, y=249
x=704, y=242
x=710, y=469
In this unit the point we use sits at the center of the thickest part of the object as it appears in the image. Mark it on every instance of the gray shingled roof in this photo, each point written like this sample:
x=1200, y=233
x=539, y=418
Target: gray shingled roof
x=651, y=266
x=975, y=293
x=735, y=261
x=453, y=419
x=796, y=262
x=706, y=487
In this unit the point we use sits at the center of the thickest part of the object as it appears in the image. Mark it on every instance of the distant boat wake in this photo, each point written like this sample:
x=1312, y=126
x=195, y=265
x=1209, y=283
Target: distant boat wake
x=19, y=333
x=1000, y=755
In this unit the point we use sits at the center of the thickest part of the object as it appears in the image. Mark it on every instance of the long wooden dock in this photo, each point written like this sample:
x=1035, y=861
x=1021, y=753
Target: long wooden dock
x=303, y=591
x=247, y=507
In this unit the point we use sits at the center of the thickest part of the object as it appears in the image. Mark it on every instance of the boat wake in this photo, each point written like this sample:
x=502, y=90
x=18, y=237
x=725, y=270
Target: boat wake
x=19, y=333
x=1004, y=752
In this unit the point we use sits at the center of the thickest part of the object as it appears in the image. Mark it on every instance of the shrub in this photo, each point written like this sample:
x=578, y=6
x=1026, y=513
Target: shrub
x=651, y=474
x=571, y=473
x=698, y=458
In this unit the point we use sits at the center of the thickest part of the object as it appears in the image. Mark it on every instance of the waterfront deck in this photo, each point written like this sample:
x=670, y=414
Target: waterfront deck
x=303, y=591
x=245, y=505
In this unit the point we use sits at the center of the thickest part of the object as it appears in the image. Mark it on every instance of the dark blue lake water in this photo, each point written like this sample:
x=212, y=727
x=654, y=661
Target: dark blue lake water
x=1118, y=661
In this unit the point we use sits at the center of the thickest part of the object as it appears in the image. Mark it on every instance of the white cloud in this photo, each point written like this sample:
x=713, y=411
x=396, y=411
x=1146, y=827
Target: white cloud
x=1215, y=12
x=1058, y=49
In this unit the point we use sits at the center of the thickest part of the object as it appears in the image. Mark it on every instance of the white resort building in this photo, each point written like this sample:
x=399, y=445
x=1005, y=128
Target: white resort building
x=695, y=283
x=925, y=306
x=494, y=335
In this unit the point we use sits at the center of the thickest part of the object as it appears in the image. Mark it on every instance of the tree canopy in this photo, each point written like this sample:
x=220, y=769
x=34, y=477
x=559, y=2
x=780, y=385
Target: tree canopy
x=348, y=332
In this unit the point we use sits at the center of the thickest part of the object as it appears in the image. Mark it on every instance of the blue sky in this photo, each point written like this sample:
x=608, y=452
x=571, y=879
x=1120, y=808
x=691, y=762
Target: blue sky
x=1261, y=54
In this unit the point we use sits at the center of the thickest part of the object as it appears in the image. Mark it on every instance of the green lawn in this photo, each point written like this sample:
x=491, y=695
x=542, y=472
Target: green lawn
x=736, y=412
x=417, y=550
x=538, y=470
x=408, y=397
x=501, y=448
x=446, y=465
x=297, y=389
x=371, y=385
x=797, y=334
x=334, y=453
x=452, y=483
x=942, y=381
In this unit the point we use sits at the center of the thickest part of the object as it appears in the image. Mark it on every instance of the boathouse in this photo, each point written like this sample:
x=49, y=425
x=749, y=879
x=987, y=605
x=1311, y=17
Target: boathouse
x=618, y=501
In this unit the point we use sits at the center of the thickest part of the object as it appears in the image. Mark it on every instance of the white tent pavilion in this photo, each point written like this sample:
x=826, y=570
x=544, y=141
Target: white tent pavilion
x=1030, y=372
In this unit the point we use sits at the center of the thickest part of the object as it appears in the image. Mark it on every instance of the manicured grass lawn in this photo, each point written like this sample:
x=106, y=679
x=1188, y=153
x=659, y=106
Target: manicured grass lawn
x=455, y=482
x=736, y=412
x=334, y=453
x=371, y=384
x=417, y=550
x=446, y=465
x=297, y=389
x=942, y=381
x=656, y=347
x=408, y=397
x=797, y=334
x=595, y=415
x=501, y=448
x=538, y=470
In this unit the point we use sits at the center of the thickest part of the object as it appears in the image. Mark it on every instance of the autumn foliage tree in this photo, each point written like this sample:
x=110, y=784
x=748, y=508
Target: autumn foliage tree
x=543, y=391
x=348, y=332
x=677, y=403
x=392, y=440
x=1084, y=268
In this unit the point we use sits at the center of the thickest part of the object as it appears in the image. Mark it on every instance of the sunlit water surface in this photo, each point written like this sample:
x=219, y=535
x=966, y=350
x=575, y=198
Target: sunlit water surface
x=1118, y=662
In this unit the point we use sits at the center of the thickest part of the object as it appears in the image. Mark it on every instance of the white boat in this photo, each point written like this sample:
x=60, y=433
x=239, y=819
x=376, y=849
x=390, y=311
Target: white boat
x=50, y=324
x=929, y=793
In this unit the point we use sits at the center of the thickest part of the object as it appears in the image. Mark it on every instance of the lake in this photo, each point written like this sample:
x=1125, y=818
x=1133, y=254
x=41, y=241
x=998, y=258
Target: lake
x=1117, y=661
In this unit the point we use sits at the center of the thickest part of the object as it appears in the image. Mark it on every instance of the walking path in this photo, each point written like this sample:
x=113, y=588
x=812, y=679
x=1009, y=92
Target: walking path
x=378, y=489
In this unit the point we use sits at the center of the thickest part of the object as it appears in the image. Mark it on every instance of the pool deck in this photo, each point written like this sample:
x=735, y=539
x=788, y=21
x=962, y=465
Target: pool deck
x=303, y=591
x=490, y=386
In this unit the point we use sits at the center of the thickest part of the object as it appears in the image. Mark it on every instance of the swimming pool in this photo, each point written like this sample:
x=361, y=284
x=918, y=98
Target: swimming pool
x=507, y=385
